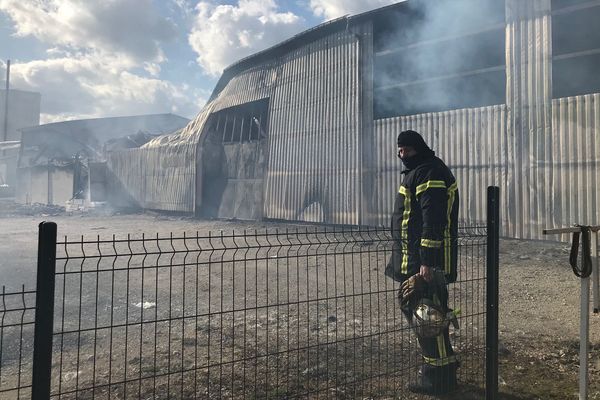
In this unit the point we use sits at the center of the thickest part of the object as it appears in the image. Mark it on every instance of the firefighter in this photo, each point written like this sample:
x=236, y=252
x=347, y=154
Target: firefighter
x=424, y=257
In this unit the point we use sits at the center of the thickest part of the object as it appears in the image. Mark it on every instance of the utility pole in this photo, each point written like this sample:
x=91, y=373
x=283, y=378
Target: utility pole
x=5, y=135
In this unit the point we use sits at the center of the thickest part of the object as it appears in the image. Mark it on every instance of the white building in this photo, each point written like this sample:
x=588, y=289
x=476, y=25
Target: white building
x=23, y=111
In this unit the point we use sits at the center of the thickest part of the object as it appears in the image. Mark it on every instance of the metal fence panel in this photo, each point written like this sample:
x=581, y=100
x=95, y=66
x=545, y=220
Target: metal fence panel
x=277, y=312
x=17, y=312
x=273, y=313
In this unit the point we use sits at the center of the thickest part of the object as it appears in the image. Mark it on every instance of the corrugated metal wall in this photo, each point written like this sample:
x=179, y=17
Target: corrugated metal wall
x=313, y=133
x=529, y=116
x=509, y=146
x=314, y=123
x=251, y=85
x=238, y=192
x=543, y=153
x=573, y=162
x=472, y=142
x=154, y=178
x=161, y=174
x=367, y=146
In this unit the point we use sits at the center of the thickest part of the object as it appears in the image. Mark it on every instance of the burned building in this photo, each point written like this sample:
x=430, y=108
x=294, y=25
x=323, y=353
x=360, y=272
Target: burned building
x=506, y=92
x=64, y=160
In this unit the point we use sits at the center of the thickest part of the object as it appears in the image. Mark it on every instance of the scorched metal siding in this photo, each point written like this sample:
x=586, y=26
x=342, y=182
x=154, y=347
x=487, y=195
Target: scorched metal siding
x=313, y=135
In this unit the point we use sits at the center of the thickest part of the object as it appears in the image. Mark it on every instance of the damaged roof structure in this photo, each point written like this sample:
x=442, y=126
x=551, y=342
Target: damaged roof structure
x=54, y=158
x=506, y=92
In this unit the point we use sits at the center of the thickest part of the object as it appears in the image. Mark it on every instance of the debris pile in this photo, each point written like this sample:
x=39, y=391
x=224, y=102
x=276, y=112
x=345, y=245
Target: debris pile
x=11, y=209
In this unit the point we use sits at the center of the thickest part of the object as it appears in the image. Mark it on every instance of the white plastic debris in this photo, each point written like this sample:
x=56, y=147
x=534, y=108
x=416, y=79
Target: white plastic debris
x=146, y=305
x=69, y=376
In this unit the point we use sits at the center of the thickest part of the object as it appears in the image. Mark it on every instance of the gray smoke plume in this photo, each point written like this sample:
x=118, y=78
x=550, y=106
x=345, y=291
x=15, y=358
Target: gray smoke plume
x=438, y=55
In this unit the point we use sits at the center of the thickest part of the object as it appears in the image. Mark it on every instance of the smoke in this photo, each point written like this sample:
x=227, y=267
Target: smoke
x=575, y=32
x=440, y=55
x=329, y=9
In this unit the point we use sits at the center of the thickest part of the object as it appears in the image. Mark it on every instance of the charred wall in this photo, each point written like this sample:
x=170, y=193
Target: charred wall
x=310, y=156
x=233, y=162
x=315, y=131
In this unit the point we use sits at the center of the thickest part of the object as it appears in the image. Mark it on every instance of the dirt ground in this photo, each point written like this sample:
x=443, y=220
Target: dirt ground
x=539, y=323
x=539, y=294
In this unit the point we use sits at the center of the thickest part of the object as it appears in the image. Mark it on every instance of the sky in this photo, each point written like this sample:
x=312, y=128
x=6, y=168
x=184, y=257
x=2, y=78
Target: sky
x=104, y=58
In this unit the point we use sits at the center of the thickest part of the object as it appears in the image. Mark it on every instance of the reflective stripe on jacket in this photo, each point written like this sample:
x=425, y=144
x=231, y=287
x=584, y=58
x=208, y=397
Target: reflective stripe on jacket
x=425, y=221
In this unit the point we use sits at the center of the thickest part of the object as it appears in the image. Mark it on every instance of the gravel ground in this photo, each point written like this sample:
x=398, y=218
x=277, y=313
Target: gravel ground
x=539, y=298
x=539, y=323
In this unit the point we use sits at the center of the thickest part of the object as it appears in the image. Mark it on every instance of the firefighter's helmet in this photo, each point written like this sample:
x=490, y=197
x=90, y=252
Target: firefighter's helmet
x=430, y=320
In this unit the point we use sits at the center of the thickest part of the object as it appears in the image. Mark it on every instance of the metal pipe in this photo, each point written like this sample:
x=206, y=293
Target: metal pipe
x=49, y=191
x=568, y=230
x=584, y=318
x=584, y=327
x=595, y=275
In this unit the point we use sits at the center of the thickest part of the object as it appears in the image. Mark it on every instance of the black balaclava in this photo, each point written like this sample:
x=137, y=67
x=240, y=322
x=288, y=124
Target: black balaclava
x=415, y=140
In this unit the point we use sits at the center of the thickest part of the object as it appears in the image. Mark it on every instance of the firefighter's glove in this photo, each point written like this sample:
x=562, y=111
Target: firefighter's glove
x=411, y=291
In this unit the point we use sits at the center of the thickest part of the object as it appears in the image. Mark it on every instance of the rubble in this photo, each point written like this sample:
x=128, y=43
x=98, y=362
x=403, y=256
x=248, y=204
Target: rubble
x=9, y=208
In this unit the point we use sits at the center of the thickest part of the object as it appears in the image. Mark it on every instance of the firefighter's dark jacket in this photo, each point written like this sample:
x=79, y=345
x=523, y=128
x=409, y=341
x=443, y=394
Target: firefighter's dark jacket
x=425, y=221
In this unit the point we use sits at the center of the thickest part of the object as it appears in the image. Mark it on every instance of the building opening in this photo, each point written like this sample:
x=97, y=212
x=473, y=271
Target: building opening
x=233, y=161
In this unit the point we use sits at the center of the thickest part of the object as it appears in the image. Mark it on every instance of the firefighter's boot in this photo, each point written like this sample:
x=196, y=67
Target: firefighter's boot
x=435, y=381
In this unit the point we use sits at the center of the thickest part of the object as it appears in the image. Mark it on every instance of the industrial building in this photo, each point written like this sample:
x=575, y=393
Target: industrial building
x=18, y=109
x=62, y=161
x=506, y=92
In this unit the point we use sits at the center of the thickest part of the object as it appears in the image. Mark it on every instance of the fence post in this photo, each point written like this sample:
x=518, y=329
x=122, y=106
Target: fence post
x=44, y=312
x=493, y=261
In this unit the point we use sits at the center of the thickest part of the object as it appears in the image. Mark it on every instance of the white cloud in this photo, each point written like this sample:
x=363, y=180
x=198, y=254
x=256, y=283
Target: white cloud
x=104, y=58
x=223, y=34
x=329, y=9
x=86, y=87
x=130, y=28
